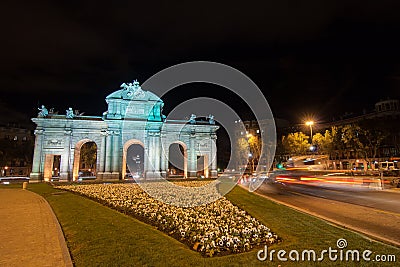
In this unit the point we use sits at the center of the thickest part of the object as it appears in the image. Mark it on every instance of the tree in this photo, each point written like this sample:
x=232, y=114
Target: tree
x=255, y=146
x=373, y=134
x=296, y=143
x=350, y=136
x=255, y=149
x=241, y=152
x=324, y=142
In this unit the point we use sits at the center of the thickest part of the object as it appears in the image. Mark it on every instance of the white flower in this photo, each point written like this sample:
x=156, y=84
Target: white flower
x=218, y=223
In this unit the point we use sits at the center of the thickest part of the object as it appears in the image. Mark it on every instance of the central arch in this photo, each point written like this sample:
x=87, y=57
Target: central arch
x=125, y=152
x=179, y=159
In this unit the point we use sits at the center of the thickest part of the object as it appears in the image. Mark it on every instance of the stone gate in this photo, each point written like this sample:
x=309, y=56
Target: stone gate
x=133, y=117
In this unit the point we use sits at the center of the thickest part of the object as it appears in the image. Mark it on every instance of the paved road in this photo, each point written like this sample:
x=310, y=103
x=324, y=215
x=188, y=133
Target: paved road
x=29, y=232
x=378, y=199
x=374, y=213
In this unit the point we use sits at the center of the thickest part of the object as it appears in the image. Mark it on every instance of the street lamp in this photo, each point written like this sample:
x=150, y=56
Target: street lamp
x=310, y=123
x=250, y=155
x=252, y=162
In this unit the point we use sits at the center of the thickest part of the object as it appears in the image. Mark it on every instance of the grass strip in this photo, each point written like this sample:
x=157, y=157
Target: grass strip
x=99, y=236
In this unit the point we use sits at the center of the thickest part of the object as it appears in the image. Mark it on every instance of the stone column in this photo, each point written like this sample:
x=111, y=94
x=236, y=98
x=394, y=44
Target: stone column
x=213, y=155
x=36, y=175
x=102, y=155
x=116, y=155
x=157, y=153
x=108, y=159
x=146, y=162
x=192, y=158
x=65, y=174
x=150, y=155
x=153, y=161
x=163, y=156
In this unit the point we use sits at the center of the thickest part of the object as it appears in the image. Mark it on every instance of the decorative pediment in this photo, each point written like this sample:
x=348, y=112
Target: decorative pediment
x=132, y=102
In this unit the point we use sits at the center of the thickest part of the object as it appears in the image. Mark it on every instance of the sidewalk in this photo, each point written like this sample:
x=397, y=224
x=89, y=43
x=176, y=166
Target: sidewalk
x=29, y=231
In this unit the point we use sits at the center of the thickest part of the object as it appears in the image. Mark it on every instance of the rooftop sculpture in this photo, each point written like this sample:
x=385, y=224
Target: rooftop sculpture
x=133, y=89
x=43, y=112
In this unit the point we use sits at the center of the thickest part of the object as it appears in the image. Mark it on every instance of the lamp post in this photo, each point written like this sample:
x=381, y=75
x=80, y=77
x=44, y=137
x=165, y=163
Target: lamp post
x=250, y=155
x=310, y=123
x=252, y=162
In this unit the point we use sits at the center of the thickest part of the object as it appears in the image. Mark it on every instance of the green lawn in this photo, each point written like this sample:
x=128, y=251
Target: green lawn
x=99, y=236
x=11, y=186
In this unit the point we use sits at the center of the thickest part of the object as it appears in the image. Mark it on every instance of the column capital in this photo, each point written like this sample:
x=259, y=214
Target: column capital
x=105, y=132
x=38, y=132
x=153, y=133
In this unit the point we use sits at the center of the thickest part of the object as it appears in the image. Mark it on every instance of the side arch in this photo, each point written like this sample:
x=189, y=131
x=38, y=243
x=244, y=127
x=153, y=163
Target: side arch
x=125, y=150
x=77, y=155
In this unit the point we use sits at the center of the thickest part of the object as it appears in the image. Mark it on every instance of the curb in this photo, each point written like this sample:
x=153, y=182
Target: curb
x=392, y=190
x=60, y=234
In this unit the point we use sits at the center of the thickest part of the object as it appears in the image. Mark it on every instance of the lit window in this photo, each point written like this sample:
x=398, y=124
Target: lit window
x=15, y=138
x=258, y=131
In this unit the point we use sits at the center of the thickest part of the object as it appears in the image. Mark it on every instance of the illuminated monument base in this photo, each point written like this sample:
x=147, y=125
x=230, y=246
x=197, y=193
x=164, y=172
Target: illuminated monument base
x=59, y=139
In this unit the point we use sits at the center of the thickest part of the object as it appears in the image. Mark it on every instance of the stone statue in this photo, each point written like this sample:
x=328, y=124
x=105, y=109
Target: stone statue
x=211, y=119
x=192, y=119
x=43, y=112
x=136, y=84
x=124, y=86
x=70, y=113
x=133, y=89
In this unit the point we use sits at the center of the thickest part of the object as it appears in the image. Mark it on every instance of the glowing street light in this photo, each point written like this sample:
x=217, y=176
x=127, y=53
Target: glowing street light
x=310, y=123
x=252, y=162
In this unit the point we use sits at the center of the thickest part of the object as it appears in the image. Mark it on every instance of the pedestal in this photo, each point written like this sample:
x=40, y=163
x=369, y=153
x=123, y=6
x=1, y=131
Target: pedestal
x=99, y=175
x=64, y=176
x=107, y=176
x=115, y=175
x=192, y=174
x=153, y=175
x=35, y=177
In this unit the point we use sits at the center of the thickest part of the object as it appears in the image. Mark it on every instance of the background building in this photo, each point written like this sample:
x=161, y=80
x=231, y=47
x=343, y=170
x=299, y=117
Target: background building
x=16, y=150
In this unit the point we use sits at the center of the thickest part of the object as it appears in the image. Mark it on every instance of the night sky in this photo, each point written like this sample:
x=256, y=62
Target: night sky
x=320, y=58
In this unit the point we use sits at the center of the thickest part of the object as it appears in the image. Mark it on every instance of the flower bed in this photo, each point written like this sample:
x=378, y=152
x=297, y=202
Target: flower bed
x=218, y=228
